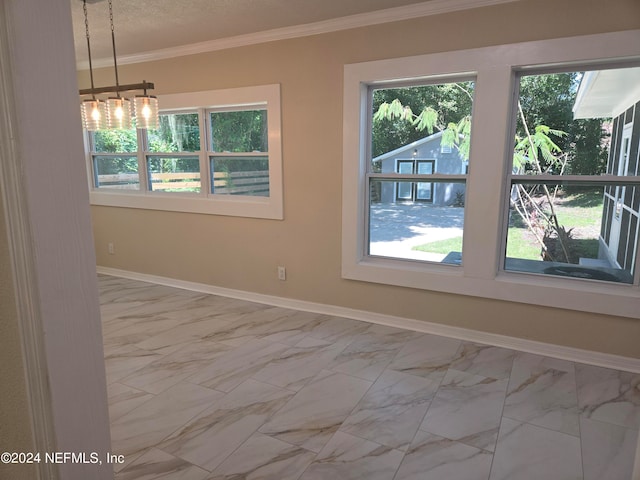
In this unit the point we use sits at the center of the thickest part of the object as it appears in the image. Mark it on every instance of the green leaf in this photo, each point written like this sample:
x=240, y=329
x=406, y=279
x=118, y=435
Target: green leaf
x=427, y=120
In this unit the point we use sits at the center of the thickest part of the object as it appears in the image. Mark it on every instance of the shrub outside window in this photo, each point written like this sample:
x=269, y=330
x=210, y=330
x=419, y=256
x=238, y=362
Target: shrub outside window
x=115, y=159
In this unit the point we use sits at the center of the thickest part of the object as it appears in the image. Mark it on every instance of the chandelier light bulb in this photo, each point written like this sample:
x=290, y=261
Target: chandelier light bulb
x=119, y=110
x=94, y=115
x=146, y=107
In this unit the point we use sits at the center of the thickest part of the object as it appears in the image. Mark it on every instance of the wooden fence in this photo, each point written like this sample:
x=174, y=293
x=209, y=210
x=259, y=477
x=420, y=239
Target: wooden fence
x=235, y=183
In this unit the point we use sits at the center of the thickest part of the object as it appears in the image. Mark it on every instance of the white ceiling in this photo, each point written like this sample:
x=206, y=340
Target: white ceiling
x=143, y=26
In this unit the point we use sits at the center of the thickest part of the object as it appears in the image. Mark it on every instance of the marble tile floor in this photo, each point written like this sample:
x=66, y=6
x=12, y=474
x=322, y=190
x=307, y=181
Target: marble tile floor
x=203, y=387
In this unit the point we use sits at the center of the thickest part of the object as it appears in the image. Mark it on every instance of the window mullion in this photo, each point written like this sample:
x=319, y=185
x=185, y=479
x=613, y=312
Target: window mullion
x=143, y=176
x=490, y=140
x=205, y=174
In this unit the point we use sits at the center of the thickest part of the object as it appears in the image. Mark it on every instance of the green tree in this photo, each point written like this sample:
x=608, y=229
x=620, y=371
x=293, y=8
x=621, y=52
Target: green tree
x=438, y=106
x=117, y=141
x=548, y=100
x=241, y=131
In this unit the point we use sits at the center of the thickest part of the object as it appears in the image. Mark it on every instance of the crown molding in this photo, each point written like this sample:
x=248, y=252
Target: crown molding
x=395, y=14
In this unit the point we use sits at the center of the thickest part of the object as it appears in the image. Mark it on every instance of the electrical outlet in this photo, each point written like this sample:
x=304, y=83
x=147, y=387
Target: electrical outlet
x=282, y=273
x=111, y=249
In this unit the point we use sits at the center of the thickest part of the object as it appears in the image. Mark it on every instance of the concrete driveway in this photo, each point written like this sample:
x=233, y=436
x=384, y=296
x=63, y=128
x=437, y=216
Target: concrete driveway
x=396, y=228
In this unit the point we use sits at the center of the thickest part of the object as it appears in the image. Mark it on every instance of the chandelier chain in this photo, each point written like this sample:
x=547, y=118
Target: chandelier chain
x=86, y=26
x=111, y=16
x=113, y=44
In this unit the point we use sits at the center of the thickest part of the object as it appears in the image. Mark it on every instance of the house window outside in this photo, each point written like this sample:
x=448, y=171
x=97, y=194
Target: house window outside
x=496, y=172
x=216, y=152
x=416, y=192
x=566, y=218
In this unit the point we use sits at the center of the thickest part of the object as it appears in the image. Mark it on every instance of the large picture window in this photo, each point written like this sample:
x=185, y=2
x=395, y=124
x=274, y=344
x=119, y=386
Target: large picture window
x=215, y=152
x=538, y=201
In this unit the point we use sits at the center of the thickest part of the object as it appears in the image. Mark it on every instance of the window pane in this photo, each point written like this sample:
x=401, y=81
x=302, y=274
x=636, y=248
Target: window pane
x=242, y=131
x=419, y=230
x=428, y=123
x=419, y=131
x=175, y=175
x=576, y=247
x=240, y=175
x=116, y=172
x=575, y=123
x=178, y=132
x=115, y=141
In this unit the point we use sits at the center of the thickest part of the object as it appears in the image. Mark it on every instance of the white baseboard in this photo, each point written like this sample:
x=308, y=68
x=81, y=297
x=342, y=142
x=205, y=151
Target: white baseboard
x=557, y=351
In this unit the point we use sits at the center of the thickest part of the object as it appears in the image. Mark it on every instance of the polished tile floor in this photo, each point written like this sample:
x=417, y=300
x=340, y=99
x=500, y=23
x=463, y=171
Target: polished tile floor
x=207, y=387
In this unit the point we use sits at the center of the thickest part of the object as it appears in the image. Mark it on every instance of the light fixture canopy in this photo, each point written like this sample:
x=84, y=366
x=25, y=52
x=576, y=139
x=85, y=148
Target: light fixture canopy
x=115, y=113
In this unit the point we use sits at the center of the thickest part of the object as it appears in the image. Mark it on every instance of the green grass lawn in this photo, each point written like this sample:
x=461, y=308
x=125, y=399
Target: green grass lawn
x=518, y=245
x=445, y=246
x=581, y=211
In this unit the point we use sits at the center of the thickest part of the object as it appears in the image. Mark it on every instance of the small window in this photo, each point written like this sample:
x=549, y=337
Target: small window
x=238, y=156
x=174, y=166
x=573, y=210
x=115, y=159
x=416, y=193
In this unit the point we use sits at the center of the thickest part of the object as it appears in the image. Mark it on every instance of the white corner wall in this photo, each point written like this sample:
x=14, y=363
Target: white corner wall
x=50, y=237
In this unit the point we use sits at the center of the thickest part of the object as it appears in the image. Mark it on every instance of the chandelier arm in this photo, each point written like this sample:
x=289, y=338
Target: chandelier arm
x=117, y=88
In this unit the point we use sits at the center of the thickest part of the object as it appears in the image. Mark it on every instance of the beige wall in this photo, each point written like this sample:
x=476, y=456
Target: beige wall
x=242, y=253
x=15, y=423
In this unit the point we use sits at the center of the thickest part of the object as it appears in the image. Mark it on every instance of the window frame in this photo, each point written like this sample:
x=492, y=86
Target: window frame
x=495, y=70
x=434, y=178
x=616, y=180
x=148, y=155
x=211, y=154
x=233, y=99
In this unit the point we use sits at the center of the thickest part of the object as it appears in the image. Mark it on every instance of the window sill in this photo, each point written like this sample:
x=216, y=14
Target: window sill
x=239, y=206
x=537, y=289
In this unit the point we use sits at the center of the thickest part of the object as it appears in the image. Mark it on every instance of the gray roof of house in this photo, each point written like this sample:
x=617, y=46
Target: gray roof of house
x=410, y=146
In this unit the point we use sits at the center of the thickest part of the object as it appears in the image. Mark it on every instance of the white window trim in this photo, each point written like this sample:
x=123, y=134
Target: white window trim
x=495, y=71
x=243, y=206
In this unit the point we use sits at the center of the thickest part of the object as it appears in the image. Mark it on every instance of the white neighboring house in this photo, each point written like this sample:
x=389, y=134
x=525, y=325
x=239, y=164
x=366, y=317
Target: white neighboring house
x=424, y=156
x=616, y=94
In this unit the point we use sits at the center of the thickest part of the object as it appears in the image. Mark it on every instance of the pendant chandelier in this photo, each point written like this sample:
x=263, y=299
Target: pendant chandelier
x=116, y=111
